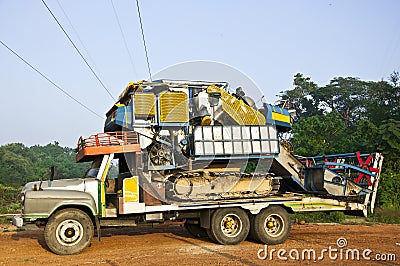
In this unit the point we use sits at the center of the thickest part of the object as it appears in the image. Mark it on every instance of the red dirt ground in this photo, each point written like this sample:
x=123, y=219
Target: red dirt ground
x=174, y=246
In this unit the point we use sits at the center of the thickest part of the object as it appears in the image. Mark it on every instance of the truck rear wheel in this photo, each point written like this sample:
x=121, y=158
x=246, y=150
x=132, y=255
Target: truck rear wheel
x=195, y=230
x=229, y=226
x=68, y=232
x=271, y=226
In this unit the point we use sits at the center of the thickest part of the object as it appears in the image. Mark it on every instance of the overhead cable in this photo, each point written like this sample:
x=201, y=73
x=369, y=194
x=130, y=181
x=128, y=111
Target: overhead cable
x=76, y=48
x=144, y=41
x=49, y=80
x=79, y=38
x=123, y=36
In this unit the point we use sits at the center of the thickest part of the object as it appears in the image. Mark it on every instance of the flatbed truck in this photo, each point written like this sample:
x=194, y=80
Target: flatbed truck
x=178, y=151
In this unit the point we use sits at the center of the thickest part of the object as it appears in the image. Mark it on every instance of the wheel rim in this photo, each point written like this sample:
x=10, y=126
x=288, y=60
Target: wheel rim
x=274, y=225
x=69, y=232
x=231, y=225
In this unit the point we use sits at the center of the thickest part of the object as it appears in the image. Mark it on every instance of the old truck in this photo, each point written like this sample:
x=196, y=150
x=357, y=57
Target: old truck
x=196, y=153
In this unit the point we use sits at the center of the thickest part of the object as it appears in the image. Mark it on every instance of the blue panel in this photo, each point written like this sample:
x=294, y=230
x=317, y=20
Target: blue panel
x=123, y=117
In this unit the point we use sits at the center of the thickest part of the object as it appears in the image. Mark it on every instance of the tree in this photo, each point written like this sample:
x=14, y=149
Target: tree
x=300, y=97
x=21, y=164
x=346, y=96
x=349, y=115
x=319, y=134
x=388, y=140
x=383, y=102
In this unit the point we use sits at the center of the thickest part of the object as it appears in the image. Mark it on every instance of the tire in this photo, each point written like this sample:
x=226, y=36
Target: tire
x=229, y=226
x=251, y=236
x=69, y=231
x=271, y=226
x=210, y=235
x=195, y=230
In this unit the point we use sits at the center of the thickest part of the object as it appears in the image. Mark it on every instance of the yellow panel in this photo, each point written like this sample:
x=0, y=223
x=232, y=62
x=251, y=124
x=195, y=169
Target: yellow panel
x=174, y=107
x=237, y=109
x=280, y=117
x=145, y=104
x=131, y=189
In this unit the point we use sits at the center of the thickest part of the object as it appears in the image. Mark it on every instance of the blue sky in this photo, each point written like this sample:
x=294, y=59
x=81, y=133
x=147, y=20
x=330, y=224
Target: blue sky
x=269, y=41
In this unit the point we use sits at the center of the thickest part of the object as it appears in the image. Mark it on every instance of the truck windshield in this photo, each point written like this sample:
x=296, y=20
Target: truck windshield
x=94, y=168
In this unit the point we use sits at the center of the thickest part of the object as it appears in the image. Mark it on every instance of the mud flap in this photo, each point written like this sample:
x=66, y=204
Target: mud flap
x=205, y=217
x=96, y=221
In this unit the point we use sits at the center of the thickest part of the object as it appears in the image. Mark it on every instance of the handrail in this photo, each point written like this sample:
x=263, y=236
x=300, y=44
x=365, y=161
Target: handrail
x=108, y=139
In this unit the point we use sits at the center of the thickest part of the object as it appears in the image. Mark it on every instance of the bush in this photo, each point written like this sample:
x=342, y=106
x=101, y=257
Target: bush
x=337, y=217
x=386, y=215
x=311, y=217
x=389, y=189
x=9, y=199
x=322, y=217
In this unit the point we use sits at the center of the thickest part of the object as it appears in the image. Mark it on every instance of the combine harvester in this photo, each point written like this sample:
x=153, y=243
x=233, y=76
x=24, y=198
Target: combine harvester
x=194, y=153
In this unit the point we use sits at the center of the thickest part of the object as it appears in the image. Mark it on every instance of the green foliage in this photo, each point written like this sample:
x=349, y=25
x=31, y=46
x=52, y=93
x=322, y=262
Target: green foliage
x=321, y=217
x=300, y=96
x=344, y=95
x=389, y=189
x=350, y=115
x=388, y=139
x=383, y=102
x=385, y=215
x=9, y=199
x=21, y=164
x=326, y=131
x=337, y=217
x=253, y=166
x=311, y=217
x=381, y=215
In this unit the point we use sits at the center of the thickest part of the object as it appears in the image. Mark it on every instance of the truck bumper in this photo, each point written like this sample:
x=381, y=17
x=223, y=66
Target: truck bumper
x=17, y=221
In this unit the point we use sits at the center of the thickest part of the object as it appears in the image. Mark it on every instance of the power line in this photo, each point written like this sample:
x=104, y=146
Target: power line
x=123, y=36
x=144, y=42
x=49, y=80
x=76, y=48
x=79, y=39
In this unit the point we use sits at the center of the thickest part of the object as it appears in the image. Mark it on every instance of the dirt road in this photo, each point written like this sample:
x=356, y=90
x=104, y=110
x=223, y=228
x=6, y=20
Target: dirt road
x=174, y=246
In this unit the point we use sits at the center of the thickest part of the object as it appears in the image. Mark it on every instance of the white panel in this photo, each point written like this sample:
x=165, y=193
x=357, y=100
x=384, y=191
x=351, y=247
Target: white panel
x=247, y=147
x=236, y=134
x=256, y=146
x=265, y=147
x=199, y=148
x=208, y=148
x=219, y=148
x=237, y=148
x=227, y=130
x=255, y=132
x=217, y=133
x=264, y=132
x=245, y=132
x=228, y=148
x=207, y=133
x=274, y=146
x=272, y=132
x=134, y=207
x=197, y=133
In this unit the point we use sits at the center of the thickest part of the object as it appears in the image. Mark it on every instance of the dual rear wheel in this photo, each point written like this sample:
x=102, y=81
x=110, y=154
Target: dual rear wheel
x=230, y=226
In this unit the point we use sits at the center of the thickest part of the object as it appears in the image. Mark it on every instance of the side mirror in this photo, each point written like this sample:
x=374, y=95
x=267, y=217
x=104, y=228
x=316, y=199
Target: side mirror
x=52, y=171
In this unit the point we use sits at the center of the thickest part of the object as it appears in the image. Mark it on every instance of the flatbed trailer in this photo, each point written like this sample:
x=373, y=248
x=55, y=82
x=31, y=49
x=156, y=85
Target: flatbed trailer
x=71, y=210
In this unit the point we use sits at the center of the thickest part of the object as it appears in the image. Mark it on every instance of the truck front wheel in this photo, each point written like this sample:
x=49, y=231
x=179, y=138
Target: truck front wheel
x=68, y=232
x=229, y=226
x=271, y=226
